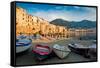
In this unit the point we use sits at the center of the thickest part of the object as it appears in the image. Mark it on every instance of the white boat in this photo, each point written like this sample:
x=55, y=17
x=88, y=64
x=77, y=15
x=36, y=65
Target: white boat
x=21, y=36
x=61, y=51
x=23, y=45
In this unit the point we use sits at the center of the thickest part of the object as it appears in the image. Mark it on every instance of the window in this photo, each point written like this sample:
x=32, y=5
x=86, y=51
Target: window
x=28, y=16
x=28, y=20
x=23, y=18
x=33, y=29
x=23, y=14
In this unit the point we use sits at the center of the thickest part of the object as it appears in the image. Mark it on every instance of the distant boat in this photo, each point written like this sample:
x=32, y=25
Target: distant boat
x=22, y=45
x=80, y=49
x=61, y=51
x=41, y=52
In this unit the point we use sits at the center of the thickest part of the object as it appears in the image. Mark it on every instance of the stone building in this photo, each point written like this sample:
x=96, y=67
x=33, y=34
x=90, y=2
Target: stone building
x=29, y=25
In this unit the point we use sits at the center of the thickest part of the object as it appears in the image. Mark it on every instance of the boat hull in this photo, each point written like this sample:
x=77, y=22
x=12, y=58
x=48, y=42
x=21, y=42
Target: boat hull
x=22, y=48
x=23, y=45
x=61, y=51
x=40, y=57
x=41, y=52
x=61, y=54
x=81, y=51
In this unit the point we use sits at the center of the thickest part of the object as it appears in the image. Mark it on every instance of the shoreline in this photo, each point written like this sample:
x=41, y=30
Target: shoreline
x=63, y=42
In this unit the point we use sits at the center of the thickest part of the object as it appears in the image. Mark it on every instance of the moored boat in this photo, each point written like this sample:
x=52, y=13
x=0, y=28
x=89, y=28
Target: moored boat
x=61, y=51
x=41, y=52
x=23, y=45
x=79, y=49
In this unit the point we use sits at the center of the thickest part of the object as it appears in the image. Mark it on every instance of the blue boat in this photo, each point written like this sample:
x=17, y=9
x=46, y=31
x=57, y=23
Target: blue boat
x=23, y=45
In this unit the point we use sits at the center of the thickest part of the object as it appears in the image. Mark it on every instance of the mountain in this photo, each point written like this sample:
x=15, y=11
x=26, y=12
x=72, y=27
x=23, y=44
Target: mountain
x=73, y=24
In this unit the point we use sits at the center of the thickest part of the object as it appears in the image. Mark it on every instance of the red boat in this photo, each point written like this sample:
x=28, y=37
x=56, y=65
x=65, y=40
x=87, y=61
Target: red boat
x=41, y=52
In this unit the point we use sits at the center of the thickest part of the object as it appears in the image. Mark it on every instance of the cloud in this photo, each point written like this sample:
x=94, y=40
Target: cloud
x=70, y=13
x=51, y=15
x=88, y=14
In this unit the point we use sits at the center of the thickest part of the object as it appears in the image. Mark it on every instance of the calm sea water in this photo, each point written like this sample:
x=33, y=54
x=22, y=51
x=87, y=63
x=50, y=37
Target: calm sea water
x=86, y=36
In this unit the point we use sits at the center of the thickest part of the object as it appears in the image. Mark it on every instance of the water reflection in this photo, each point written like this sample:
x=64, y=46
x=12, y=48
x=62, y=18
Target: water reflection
x=76, y=35
x=82, y=35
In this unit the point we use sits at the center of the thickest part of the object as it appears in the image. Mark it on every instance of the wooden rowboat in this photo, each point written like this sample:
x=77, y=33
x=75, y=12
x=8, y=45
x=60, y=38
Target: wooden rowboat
x=79, y=49
x=22, y=45
x=41, y=52
x=61, y=51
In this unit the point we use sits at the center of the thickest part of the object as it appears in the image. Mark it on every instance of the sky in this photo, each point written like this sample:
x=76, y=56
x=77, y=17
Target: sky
x=52, y=12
